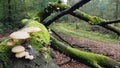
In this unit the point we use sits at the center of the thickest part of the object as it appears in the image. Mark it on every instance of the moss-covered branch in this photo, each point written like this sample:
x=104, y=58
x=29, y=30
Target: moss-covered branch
x=112, y=28
x=80, y=14
x=94, y=60
x=69, y=10
x=93, y=20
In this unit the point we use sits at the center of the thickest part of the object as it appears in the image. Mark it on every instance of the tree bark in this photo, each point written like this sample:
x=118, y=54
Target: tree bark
x=9, y=10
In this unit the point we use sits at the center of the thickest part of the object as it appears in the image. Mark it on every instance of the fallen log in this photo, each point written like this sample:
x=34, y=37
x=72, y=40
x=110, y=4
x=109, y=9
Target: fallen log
x=94, y=60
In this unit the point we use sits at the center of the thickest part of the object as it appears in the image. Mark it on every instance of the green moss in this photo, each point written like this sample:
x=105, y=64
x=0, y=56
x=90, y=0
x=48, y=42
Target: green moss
x=93, y=19
x=4, y=49
x=43, y=34
x=46, y=53
x=60, y=5
x=4, y=52
x=38, y=38
x=92, y=58
x=35, y=41
x=65, y=28
x=114, y=27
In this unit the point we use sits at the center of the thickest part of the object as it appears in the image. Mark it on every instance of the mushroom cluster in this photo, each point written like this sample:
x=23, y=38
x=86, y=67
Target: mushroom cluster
x=19, y=36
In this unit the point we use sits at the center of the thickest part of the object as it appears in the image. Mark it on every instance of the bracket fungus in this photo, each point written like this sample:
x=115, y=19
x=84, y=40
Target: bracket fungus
x=30, y=57
x=19, y=35
x=18, y=49
x=20, y=54
x=10, y=43
x=31, y=29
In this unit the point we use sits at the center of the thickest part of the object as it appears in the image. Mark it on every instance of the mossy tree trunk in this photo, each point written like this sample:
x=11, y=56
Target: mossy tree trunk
x=42, y=58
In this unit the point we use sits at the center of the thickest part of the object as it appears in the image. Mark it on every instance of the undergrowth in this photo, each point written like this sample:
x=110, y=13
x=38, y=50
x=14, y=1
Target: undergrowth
x=79, y=30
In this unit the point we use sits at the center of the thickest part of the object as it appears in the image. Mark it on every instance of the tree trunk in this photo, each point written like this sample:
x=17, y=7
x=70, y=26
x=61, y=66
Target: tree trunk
x=39, y=62
x=9, y=10
x=42, y=57
x=117, y=9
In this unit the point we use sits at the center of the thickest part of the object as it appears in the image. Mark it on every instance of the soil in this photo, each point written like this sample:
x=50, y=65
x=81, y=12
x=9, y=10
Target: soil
x=65, y=62
x=110, y=50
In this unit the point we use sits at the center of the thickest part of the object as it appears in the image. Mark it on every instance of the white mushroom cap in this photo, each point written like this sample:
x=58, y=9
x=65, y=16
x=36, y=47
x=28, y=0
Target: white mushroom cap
x=31, y=29
x=18, y=49
x=19, y=35
x=30, y=57
x=27, y=53
x=20, y=54
x=29, y=46
x=10, y=43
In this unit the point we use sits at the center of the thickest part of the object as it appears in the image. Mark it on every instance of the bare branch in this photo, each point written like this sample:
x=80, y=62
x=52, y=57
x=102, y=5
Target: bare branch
x=77, y=5
x=60, y=37
x=67, y=11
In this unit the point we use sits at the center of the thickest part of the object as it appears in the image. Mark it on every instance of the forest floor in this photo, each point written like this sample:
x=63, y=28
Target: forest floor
x=110, y=50
x=82, y=37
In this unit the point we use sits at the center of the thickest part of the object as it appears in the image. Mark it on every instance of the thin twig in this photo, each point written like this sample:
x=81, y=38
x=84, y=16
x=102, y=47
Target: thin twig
x=60, y=37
